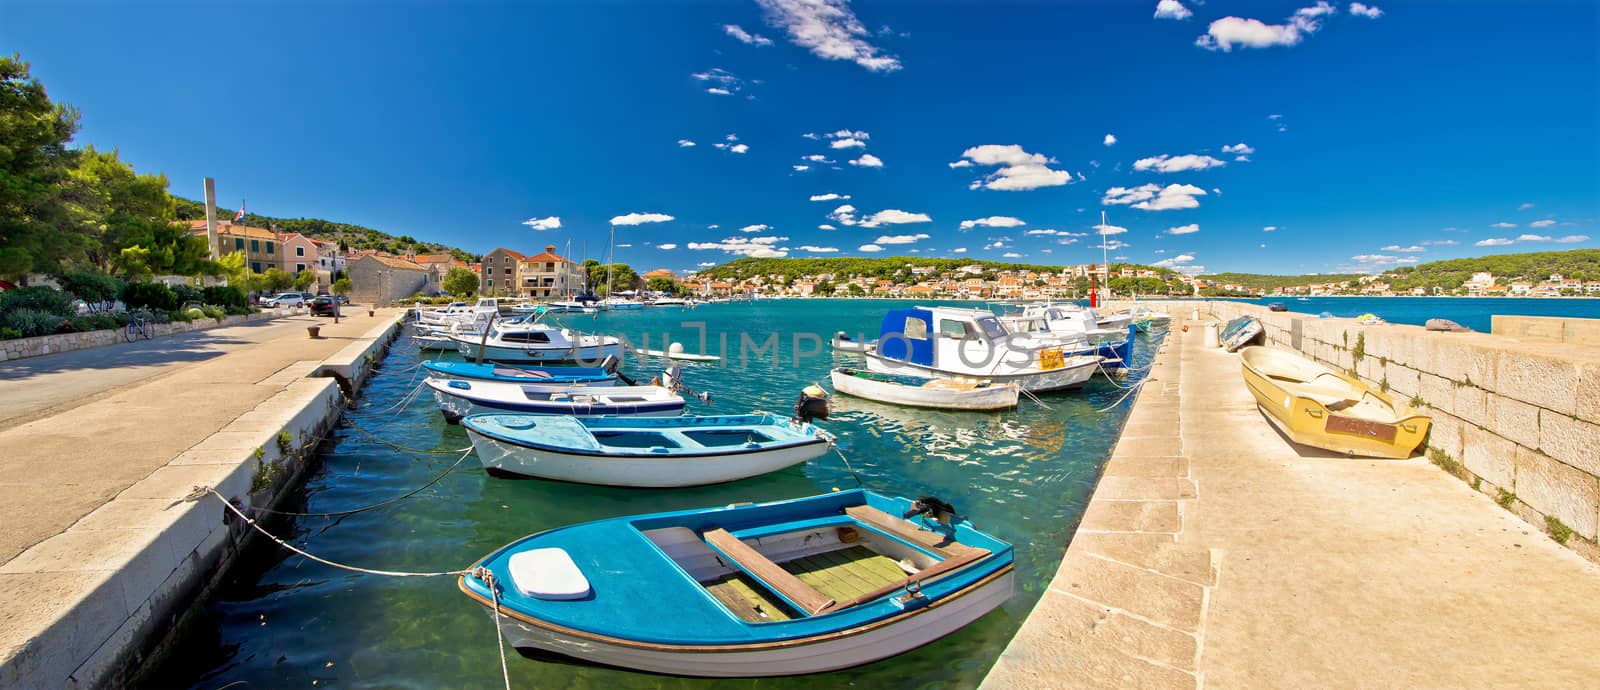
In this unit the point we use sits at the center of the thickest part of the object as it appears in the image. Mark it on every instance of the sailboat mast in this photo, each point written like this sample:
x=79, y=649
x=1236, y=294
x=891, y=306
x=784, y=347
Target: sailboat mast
x=611, y=259
x=1104, y=255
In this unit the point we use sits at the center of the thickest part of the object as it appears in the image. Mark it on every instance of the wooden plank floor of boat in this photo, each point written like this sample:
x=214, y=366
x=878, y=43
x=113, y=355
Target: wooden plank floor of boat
x=846, y=573
x=746, y=599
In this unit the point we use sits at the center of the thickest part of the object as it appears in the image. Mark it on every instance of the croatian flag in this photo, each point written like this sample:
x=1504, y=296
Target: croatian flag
x=239, y=216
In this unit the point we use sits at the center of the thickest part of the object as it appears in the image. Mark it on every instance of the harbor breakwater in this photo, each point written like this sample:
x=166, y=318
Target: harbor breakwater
x=117, y=582
x=1516, y=412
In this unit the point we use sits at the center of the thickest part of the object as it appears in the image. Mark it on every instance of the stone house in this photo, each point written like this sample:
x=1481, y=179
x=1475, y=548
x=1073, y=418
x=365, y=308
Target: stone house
x=548, y=274
x=499, y=274
x=260, y=245
x=383, y=279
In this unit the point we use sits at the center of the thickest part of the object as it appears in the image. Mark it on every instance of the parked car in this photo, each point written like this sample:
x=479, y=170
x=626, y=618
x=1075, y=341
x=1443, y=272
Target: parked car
x=343, y=300
x=324, y=306
x=285, y=299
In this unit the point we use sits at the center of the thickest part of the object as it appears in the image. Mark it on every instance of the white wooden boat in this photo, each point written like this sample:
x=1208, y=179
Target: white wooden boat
x=1239, y=333
x=675, y=351
x=459, y=398
x=755, y=590
x=842, y=342
x=434, y=343
x=458, y=312
x=947, y=342
x=914, y=391
x=644, y=452
x=537, y=343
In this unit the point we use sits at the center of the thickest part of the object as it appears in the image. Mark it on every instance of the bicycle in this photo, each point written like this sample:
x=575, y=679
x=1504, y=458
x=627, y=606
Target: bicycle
x=135, y=328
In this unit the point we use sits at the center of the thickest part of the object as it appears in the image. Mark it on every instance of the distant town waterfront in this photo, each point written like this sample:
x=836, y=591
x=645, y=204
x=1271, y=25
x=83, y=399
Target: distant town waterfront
x=1472, y=312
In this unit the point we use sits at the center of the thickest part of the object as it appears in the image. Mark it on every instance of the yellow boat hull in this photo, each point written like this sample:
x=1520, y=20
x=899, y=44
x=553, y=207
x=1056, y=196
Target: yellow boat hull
x=1319, y=407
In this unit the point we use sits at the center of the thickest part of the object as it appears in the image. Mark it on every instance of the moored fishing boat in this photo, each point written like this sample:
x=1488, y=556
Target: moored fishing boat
x=916, y=391
x=458, y=398
x=790, y=587
x=1075, y=331
x=604, y=375
x=648, y=452
x=844, y=343
x=538, y=343
x=1317, y=406
x=948, y=342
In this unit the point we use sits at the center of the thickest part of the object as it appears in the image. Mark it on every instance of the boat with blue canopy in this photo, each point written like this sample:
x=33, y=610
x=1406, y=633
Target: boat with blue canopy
x=653, y=452
x=771, y=589
x=604, y=375
x=949, y=342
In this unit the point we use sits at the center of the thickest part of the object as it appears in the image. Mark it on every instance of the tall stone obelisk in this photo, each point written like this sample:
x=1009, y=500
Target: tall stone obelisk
x=211, y=218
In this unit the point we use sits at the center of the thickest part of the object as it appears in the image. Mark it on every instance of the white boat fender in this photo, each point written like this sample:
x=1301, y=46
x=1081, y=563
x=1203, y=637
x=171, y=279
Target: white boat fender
x=812, y=404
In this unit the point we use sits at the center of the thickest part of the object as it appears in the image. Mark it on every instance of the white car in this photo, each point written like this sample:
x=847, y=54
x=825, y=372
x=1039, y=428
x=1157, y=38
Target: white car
x=286, y=299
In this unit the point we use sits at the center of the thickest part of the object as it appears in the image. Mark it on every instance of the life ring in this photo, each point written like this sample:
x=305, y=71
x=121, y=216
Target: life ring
x=1185, y=328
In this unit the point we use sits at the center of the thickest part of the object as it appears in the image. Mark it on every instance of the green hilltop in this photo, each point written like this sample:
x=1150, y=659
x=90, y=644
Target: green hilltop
x=346, y=234
x=1448, y=274
x=880, y=267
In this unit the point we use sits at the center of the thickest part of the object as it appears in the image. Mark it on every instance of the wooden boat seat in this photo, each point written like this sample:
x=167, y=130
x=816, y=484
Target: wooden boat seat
x=771, y=574
x=943, y=546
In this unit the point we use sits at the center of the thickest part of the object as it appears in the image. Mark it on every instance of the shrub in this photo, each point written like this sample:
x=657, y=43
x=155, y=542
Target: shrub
x=152, y=316
x=225, y=296
x=181, y=315
x=150, y=295
x=45, y=300
x=215, y=312
x=187, y=294
x=194, y=313
x=30, y=322
x=238, y=310
x=77, y=325
x=9, y=333
x=93, y=287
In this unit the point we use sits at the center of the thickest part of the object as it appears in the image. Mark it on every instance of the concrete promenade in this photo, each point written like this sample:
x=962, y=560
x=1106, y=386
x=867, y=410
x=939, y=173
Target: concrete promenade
x=94, y=461
x=1214, y=553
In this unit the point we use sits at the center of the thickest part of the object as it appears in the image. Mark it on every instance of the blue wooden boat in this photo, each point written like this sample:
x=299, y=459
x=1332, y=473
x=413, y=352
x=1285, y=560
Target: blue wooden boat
x=470, y=371
x=649, y=452
x=790, y=587
x=1239, y=333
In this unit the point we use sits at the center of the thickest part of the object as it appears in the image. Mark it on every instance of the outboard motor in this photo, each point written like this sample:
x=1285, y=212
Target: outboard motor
x=935, y=508
x=610, y=364
x=812, y=404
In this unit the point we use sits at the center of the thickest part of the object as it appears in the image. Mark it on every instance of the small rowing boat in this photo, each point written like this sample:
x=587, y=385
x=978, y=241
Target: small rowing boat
x=1317, y=406
x=675, y=351
x=1239, y=333
x=917, y=391
x=649, y=452
x=771, y=589
x=458, y=398
x=844, y=343
x=591, y=376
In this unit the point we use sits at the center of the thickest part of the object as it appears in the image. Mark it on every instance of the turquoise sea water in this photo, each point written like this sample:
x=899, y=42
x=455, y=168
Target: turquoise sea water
x=283, y=621
x=1472, y=312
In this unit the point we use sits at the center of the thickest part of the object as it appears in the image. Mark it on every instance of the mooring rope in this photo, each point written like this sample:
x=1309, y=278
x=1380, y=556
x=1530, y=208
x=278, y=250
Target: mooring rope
x=379, y=504
x=1031, y=396
x=848, y=466
x=487, y=577
x=1131, y=390
x=402, y=403
x=397, y=446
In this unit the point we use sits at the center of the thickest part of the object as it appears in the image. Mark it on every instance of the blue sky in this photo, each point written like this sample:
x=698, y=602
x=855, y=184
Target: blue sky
x=1375, y=134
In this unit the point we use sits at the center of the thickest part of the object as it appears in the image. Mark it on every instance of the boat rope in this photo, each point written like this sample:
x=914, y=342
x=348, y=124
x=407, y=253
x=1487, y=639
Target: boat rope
x=396, y=446
x=1131, y=390
x=379, y=504
x=201, y=491
x=847, y=466
x=1031, y=396
x=396, y=408
x=487, y=576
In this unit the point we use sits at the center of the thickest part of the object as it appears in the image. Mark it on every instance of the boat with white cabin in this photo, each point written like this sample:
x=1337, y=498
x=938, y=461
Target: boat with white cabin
x=536, y=343
x=459, y=398
x=918, y=391
x=951, y=342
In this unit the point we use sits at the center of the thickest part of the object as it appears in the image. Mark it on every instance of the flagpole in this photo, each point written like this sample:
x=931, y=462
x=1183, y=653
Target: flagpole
x=1105, y=261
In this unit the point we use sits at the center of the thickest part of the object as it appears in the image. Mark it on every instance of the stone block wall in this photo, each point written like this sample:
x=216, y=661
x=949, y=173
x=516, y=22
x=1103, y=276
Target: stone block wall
x=1516, y=417
x=67, y=342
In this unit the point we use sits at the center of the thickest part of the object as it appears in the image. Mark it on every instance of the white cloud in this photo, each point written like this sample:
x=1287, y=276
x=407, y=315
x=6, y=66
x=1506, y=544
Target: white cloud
x=550, y=223
x=1175, y=261
x=992, y=222
x=997, y=244
x=638, y=218
x=1153, y=197
x=731, y=137
x=868, y=160
x=759, y=247
x=713, y=226
x=1018, y=169
x=732, y=148
x=817, y=158
x=818, y=250
x=1571, y=239
x=959, y=250
x=1439, y=243
x=1367, y=11
x=800, y=168
x=825, y=226
x=846, y=215
x=706, y=264
x=1270, y=228
x=1503, y=225
x=719, y=91
x=1524, y=206
x=624, y=245
x=847, y=143
x=1404, y=250
x=848, y=134
x=1110, y=140
x=1172, y=9
x=830, y=30
x=1542, y=223
x=1110, y=229
x=900, y=239
x=1171, y=164
x=869, y=248
x=1050, y=232
x=720, y=81
x=1492, y=242
x=743, y=36
x=1010, y=255
x=755, y=228
x=1184, y=229
x=811, y=135
x=1113, y=245
x=1069, y=240
x=961, y=164
x=1227, y=32
x=830, y=196
x=1533, y=238
x=1240, y=148
x=667, y=246
x=685, y=143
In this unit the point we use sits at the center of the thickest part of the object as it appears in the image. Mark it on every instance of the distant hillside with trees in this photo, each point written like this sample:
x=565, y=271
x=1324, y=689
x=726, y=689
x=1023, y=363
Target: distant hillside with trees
x=898, y=270
x=348, y=235
x=1532, y=267
x=1265, y=283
